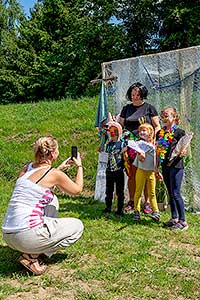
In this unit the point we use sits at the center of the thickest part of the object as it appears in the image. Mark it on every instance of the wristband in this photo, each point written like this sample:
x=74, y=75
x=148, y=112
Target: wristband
x=79, y=166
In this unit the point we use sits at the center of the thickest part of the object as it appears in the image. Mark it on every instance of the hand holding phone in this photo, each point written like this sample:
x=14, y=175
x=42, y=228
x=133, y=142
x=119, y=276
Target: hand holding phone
x=74, y=152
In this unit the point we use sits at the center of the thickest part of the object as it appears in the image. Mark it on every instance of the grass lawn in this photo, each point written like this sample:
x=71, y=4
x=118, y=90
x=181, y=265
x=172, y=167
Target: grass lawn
x=116, y=259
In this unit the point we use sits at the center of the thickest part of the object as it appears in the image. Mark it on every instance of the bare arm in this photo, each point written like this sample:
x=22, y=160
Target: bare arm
x=157, y=172
x=56, y=177
x=65, y=183
x=121, y=121
x=23, y=170
x=156, y=123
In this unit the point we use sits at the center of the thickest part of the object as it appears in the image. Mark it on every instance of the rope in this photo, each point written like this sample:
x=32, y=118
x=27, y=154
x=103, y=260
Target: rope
x=162, y=87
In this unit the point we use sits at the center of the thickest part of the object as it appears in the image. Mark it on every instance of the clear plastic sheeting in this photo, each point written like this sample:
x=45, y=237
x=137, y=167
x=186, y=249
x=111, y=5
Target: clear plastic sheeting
x=172, y=79
x=100, y=187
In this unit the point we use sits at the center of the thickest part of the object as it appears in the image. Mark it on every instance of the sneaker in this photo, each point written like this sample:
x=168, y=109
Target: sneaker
x=171, y=223
x=180, y=226
x=147, y=208
x=129, y=206
x=107, y=210
x=155, y=216
x=136, y=216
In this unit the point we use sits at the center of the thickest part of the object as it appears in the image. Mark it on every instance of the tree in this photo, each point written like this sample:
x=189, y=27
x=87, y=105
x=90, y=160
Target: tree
x=59, y=49
x=180, y=24
x=141, y=23
x=11, y=58
x=70, y=39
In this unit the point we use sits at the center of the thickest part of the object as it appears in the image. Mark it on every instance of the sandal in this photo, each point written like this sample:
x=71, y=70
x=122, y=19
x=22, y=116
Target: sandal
x=147, y=208
x=32, y=264
x=129, y=206
x=155, y=216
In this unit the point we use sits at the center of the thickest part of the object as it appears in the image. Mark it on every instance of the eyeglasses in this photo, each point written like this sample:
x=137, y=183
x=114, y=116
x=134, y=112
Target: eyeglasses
x=164, y=116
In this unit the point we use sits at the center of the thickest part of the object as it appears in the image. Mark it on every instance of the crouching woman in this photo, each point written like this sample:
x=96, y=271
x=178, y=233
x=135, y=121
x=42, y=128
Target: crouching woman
x=31, y=225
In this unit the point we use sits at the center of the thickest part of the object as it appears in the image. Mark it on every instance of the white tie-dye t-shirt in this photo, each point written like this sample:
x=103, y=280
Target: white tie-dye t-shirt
x=27, y=204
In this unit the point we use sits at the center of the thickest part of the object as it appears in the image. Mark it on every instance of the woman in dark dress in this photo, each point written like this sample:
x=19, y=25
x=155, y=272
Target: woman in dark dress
x=131, y=117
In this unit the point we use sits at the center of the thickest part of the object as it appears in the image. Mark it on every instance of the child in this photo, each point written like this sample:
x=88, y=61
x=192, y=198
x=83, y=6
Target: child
x=172, y=170
x=114, y=170
x=145, y=162
x=129, y=155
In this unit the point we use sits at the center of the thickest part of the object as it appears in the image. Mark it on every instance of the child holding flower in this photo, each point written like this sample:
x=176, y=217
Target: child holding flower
x=172, y=170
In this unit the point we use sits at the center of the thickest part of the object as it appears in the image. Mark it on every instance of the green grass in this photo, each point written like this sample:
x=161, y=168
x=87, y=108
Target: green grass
x=115, y=259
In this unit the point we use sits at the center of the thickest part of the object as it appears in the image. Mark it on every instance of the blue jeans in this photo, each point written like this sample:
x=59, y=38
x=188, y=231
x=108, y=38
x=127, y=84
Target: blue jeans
x=173, y=178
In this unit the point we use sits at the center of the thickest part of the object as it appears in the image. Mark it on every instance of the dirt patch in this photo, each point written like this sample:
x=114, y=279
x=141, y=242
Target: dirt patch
x=88, y=193
x=39, y=293
x=188, y=248
x=56, y=284
x=195, y=258
x=57, y=272
x=19, y=138
x=182, y=270
x=155, y=254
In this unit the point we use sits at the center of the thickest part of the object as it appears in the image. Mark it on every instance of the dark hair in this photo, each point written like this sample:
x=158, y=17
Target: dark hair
x=142, y=89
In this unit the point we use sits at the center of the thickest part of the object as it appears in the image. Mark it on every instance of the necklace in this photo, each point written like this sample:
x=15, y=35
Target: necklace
x=165, y=138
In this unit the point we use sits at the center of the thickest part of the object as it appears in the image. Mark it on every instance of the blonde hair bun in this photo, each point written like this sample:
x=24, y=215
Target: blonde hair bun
x=43, y=147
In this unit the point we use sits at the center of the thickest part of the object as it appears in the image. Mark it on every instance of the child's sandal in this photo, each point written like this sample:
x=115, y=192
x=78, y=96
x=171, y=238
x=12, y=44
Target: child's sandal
x=129, y=206
x=32, y=264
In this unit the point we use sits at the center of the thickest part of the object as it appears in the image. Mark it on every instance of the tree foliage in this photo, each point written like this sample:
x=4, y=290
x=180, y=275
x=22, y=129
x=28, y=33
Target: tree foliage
x=59, y=48
x=180, y=24
x=141, y=24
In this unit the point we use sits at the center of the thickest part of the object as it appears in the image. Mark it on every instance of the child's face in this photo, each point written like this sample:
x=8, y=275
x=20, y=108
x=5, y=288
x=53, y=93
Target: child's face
x=114, y=132
x=144, y=134
x=167, y=117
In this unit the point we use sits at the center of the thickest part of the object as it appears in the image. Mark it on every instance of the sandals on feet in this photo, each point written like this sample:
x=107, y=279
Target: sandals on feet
x=155, y=216
x=129, y=206
x=32, y=264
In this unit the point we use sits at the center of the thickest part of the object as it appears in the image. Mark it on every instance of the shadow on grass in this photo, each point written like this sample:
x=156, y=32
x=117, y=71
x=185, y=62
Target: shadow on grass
x=88, y=208
x=8, y=261
x=9, y=264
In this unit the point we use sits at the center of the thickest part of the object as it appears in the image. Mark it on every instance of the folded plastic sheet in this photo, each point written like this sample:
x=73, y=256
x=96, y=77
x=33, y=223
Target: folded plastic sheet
x=182, y=145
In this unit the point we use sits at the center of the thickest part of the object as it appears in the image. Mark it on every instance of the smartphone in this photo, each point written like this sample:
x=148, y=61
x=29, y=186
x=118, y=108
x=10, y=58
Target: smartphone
x=74, y=151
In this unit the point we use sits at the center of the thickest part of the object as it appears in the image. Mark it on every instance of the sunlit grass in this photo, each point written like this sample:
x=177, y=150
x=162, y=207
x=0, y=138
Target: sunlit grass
x=115, y=259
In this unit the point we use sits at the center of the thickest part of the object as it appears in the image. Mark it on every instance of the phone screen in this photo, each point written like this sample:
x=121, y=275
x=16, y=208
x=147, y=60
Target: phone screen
x=74, y=151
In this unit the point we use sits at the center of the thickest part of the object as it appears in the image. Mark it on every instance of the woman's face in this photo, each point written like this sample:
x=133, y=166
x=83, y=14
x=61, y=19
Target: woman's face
x=135, y=95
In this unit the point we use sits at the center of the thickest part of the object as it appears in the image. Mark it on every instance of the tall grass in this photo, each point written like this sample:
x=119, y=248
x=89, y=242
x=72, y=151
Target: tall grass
x=115, y=259
x=70, y=121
